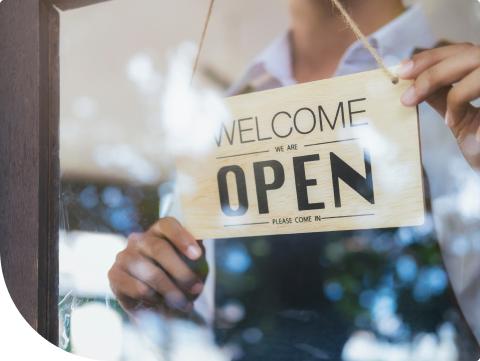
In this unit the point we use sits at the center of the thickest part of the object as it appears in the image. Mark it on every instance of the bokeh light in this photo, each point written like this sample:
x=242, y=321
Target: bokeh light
x=102, y=342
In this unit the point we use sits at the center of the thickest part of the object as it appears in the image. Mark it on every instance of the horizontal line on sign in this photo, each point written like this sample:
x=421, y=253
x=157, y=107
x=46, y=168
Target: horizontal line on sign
x=246, y=224
x=336, y=141
x=356, y=215
x=238, y=155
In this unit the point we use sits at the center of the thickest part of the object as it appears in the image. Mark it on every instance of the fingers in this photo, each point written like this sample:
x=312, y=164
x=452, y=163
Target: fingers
x=151, y=270
x=459, y=98
x=165, y=255
x=152, y=279
x=431, y=83
x=171, y=229
x=412, y=68
x=123, y=284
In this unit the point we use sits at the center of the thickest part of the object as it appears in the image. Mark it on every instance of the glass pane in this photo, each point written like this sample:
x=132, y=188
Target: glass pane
x=128, y=108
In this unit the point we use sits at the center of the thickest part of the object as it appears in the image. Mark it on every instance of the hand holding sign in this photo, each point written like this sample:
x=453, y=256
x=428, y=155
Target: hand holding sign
x=435, y=72
x=153, y=273
x=331, y=155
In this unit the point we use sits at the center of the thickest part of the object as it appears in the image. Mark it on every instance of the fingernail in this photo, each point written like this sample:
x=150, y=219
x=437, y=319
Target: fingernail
x=405, y=68
x=194, y=252
x=408, y=98
x=197, y=288
x=449, y=119
x=477, y=136
x=175, y=299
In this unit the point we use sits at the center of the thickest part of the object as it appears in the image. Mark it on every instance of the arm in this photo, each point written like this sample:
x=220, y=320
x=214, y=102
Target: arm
x=435, y=71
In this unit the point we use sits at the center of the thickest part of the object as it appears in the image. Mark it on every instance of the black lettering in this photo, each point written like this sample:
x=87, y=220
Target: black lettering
x=282, y=221
x=295, y=121
x=220, y=136
x=262, y=187
x=363, y=186
x=240, y=130
x=320, y=111
x=241, y=191
x=358, y=112
x=318, y=218
x=303, y=219
x=258, y=132
x=302, y=183
x=279, y=149
x=273, y=126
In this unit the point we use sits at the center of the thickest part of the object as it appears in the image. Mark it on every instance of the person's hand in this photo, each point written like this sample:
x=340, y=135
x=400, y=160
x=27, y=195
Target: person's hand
x=435, y=71
x=152, y=272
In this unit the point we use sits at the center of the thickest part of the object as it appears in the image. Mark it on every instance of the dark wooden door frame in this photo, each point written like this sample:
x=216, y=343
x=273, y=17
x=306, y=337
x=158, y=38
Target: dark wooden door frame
x=29, y=156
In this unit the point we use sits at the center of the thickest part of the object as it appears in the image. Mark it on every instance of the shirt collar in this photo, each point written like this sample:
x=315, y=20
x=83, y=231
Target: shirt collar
x=401, y=36
x=274, y=61
x=394, y=42
x=410, y=27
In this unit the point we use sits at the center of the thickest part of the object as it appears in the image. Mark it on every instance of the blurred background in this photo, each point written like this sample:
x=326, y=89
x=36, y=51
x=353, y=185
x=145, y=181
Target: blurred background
x=120, y=62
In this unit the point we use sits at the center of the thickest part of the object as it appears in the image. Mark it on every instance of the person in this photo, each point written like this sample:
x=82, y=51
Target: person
x=155, y=270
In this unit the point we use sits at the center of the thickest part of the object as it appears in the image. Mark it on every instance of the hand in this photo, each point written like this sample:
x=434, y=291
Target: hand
x=435, y=71
x=151, y=273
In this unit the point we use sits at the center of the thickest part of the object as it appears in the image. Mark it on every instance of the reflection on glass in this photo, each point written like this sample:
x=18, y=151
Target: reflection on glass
x=128, y=110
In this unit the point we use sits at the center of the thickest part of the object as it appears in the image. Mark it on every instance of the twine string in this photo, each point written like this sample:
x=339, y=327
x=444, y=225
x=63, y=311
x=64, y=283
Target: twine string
x=346, y=18
x=349, y=21
x=207, y=20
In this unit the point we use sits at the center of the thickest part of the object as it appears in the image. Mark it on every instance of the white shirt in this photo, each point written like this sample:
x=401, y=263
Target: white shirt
x=394, y=42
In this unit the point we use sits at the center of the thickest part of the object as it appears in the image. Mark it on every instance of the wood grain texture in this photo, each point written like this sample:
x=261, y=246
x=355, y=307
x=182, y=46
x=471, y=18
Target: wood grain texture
x=49, y=184
x=27, y=162
x=74, y=4
x=390, y=135
x=19, y=144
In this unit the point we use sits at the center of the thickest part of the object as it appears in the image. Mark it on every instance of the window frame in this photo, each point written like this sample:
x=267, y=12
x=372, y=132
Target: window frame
x=29, y=156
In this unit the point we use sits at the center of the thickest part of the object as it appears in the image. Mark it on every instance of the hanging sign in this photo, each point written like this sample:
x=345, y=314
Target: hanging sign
x=336, y=154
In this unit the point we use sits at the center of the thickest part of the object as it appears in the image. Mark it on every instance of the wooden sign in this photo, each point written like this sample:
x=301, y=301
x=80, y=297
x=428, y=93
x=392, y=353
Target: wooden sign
x=337, y=154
